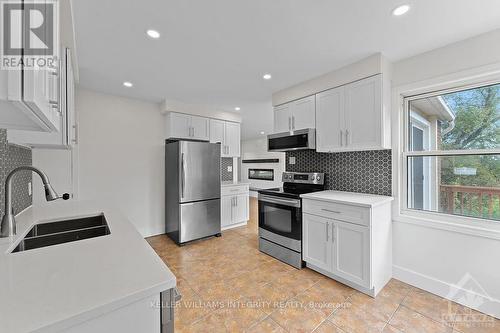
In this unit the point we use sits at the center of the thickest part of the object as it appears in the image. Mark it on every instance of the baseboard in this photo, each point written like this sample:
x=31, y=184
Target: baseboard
x=455, y=292
x=234, y=226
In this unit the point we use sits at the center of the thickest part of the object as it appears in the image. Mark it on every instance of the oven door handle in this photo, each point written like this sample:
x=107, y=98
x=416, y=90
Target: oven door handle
x=281, y=201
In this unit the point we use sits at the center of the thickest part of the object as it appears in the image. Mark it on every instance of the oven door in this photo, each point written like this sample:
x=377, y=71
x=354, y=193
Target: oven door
x=281, y=216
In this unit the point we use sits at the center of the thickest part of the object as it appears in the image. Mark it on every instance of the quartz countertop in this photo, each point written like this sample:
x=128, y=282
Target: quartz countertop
x=231, y=183
x=55, y=287
x=359, y=199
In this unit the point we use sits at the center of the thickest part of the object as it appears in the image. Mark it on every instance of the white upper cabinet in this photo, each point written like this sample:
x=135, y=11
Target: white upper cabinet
x=233, y=139
x=329, y=118
x=228, y=135
x=183, y=126
x=351, y=117
x=66, y=136
x=282, y=118
x=363, y=114
x=296, y=115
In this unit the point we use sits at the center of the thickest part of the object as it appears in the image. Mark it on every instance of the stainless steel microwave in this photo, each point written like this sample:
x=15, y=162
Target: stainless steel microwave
x=296, y=140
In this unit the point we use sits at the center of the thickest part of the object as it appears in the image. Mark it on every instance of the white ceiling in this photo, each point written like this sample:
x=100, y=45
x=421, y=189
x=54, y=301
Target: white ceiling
x=215, y=52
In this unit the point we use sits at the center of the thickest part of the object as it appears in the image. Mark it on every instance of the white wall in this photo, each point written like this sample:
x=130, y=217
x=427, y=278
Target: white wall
x=122, y=158
x=432, y=256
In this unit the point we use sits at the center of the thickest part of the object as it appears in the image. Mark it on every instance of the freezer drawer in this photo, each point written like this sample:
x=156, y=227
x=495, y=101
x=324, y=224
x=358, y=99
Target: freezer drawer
x=199, y=219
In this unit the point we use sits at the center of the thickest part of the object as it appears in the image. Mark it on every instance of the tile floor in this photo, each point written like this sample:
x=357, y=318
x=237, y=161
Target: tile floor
x=227, y=285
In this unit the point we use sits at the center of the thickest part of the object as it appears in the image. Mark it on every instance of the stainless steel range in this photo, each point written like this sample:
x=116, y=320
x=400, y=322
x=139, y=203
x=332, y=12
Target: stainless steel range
x=280, y=216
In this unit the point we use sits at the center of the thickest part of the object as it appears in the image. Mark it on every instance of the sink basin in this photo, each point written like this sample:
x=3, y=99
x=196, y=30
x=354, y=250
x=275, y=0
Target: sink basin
x=65, y=231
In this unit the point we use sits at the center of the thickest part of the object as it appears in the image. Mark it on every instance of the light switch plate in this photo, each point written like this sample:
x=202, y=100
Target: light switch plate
x=291, y=160
x=229, y=168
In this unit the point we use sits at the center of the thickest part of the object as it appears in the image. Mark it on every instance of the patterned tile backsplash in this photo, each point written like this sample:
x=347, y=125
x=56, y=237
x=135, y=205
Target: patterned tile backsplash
x=224, y=163
x=12, y=156
x=364, y=171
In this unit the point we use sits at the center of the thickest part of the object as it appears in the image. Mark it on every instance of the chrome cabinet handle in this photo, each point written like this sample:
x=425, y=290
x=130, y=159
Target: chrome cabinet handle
x=346, y=137
x=341, y=138
x=194, y=131
x=327, y=224
x=333, y=233
x=330, y=211
x=293, y=122
x=75, y=133
x=289, y=123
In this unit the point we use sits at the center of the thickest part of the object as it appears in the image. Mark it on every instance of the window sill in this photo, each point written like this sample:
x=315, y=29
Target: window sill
x=481, y=228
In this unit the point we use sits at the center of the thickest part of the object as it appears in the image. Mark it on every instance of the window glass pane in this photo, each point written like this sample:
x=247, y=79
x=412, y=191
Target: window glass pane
x=468, y=119
x=467, y=185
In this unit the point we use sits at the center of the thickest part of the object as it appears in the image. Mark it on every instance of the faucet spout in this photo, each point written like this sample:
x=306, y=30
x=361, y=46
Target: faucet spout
x=8, y=226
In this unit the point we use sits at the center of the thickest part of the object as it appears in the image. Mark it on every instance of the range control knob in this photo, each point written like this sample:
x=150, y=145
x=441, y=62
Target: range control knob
x=318, y=178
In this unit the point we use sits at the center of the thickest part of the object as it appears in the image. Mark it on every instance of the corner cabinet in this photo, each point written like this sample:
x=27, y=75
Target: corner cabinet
x=296, y=115
x=353, y=117
x=235, y=202
x=349, y=243
x=228, y=135
x=184, y=126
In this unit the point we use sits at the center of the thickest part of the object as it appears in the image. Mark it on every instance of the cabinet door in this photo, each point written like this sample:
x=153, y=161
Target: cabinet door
x=316, y=245
x=226, y=211
x=330, y=120
x=217, y=131
x=282, y=118
x=233, y=139
x=179, y=126
x=303, y=113
x=351, y=252
x=364, y=113
x=200, y=128
x=240, y=209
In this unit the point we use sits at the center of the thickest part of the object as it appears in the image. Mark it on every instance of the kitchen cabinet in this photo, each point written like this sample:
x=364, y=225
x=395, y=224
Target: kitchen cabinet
x=184, y=126
x=29, y=97
x=349, y=242
x=66, y=136
x=296, y=115
x=228, y=135
x=234, y=205
x=352, y=117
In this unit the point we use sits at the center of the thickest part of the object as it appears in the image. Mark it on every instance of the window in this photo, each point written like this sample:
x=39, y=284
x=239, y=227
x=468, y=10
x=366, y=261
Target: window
x=452, y=152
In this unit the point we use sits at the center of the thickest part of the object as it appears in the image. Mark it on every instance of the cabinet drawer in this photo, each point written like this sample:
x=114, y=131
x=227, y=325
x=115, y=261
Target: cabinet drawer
x=353, y=214
x=234, y=190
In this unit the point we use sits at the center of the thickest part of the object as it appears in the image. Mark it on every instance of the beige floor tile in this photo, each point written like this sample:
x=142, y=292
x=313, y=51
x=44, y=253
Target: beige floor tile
x=391, y=329
x=399, y=286
x=357, y=320
x=328, y=327
x=432, y=306
x=190, y=309
x=295, y=316
x=410, y=321
x=266, y=326
x=321, y=299
x=332, y=286
x=269, y=297
x=237, y=318
x=471, y=321
x=383, y=306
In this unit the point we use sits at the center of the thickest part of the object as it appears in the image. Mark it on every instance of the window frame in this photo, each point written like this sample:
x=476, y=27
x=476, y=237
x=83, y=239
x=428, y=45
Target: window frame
x=436, y=219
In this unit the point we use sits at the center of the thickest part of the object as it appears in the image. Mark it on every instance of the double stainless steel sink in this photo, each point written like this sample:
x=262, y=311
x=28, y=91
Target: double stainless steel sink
x=65, y=231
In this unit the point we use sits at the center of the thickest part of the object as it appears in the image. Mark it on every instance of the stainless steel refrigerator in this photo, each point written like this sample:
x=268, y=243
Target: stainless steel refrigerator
x=192, y=190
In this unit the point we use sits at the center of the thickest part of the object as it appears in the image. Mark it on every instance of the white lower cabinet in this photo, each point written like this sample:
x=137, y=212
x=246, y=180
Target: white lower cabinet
x=356, y=253
x=234, y=205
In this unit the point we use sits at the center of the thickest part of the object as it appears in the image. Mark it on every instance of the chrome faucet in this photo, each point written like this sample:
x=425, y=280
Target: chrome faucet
x=8, y=226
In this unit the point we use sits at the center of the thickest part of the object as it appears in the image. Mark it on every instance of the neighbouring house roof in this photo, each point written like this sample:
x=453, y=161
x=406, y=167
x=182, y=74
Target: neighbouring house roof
x=434, y=106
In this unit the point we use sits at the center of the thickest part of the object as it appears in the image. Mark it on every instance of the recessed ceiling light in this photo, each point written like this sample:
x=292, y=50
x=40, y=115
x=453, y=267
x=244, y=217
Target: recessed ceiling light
x=128, y=84
x=267, y=76
x=237, y=108
x=262, y=132
x=401, y=10
x=153, y=34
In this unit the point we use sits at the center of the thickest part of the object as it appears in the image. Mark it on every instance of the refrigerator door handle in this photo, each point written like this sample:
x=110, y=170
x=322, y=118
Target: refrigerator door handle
x=183, y=175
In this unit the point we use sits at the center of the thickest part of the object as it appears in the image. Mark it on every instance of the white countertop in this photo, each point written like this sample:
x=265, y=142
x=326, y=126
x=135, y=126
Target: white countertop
x=51, y=288
x=358, y=199
x=231, y=183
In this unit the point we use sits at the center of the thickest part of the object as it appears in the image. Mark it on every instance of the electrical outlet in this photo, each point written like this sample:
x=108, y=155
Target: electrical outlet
x=229, y=168
x=30, y=189
x=291, y=160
